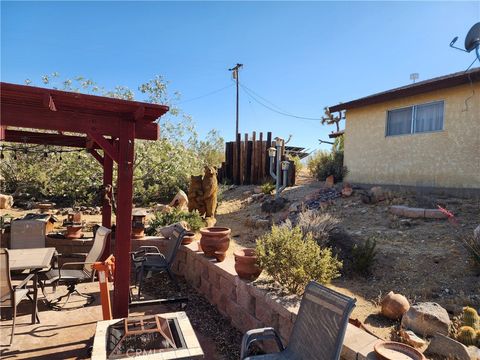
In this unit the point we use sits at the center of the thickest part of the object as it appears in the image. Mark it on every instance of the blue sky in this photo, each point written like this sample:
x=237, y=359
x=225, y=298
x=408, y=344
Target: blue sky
x=300, y=56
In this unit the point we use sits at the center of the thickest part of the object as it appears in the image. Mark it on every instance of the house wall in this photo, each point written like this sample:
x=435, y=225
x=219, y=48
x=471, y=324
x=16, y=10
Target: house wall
x=444, y=159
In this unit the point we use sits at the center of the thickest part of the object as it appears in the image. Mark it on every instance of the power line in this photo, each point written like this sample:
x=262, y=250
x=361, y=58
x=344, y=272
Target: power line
x=207, y=94
x=275, y=110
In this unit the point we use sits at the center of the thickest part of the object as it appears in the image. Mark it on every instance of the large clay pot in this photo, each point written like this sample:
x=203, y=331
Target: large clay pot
x=214, y=239
x=394, y=305
x=74, y=232
x=246, y=264
x=188, y=238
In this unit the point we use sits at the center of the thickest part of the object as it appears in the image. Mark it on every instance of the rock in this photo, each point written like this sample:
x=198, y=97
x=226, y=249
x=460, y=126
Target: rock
x=162, y=208
x=262, y=223
x=247, y=193
x=347, y=190
x=329, y=181
x=274, y=205
x=295, y=207
x=473, y=352
x=394, y=305
x=377, y=193
x=257, y=190
x=180, y=201
x=426, y=318
x=6, y=201
x=448, y=348
x=257, y=197
x=476, y=233
x=412, y=339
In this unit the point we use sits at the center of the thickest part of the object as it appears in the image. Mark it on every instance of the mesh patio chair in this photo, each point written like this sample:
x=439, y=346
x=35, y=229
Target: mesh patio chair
x=11, y=296
x=149, y=259
x=318, y=331
x=72, y=277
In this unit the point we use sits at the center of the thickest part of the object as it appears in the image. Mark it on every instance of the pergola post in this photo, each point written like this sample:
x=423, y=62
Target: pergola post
x=106, y=203
x=124, y=219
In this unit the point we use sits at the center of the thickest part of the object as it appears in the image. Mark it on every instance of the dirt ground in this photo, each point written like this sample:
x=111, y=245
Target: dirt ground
x=422, y=259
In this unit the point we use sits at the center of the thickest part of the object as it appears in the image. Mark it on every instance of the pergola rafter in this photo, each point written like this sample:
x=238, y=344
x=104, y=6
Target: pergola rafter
x=111, y=125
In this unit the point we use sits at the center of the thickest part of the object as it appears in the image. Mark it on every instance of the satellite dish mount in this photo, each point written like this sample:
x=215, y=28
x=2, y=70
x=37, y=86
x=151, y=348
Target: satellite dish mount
x=472, y=42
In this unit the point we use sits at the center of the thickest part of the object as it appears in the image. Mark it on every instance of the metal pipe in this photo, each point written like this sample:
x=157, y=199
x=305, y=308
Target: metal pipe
x=278, y=172
x=272, y=174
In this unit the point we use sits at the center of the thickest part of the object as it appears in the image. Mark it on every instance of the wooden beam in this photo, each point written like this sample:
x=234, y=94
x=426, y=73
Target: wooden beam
x=19, y=115
x=40, y=138
x=105, y=145
x=96, y=155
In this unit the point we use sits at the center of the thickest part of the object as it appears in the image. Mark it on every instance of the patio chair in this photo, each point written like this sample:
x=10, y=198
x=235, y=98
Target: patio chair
x=149, y=259
x=11, y=296
x=72, y=277
x=318, y=331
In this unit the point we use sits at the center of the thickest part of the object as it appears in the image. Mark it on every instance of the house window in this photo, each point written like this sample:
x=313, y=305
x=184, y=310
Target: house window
x=415, y=119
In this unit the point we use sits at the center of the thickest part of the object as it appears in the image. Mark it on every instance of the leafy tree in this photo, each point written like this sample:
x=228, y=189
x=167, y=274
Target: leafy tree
x=161, y=167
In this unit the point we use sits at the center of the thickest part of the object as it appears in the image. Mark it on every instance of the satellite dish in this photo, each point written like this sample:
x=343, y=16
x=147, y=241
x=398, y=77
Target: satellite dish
x=472, y=40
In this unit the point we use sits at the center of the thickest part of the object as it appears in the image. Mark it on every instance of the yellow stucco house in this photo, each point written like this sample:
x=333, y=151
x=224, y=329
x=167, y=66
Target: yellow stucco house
x=425, y=134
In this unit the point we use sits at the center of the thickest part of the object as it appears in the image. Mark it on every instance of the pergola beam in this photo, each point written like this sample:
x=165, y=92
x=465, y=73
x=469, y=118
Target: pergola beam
x=39, y=138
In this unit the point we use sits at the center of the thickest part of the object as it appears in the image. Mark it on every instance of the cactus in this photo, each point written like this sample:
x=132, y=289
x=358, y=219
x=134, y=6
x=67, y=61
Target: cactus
x=467, y=336
x=471, y=318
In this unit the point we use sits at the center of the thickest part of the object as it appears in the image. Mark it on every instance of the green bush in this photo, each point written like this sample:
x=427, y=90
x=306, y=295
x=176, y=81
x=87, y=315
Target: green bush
x=293, y=260
x=161, y=219
x=323, y=164
x=363, y=257
x=267, y=188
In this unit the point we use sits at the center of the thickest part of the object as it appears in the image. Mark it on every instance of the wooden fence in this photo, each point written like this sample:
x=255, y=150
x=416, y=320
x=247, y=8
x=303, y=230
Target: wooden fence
x=247, y=162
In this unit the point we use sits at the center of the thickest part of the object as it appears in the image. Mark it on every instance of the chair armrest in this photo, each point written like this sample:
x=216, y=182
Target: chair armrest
x=254, y=335
x=24, y=281
x=76, y=263
x=150, y=247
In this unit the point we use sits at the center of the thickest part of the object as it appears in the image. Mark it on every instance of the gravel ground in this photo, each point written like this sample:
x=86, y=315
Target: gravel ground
x=203, y=316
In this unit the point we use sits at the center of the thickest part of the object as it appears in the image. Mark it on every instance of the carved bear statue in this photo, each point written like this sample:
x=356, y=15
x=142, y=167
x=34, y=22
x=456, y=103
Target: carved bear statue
x=195, y=195
x=210, y=188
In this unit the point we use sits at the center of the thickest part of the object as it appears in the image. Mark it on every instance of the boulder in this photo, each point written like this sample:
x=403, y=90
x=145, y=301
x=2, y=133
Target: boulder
x=180, y=201
x=274, y=205
x=347, y=190
x=329, y=181
x=476, y=233
x=6, y=201
x=426, y=319
x=377, y=193
x=448, y=348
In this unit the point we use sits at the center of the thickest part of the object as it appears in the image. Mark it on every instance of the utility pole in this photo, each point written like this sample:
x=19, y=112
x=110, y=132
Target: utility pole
x=234, y=71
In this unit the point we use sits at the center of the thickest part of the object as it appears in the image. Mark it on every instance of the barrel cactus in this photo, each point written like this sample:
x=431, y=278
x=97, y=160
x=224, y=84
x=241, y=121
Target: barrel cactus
x=471, y=318
x=467, y=336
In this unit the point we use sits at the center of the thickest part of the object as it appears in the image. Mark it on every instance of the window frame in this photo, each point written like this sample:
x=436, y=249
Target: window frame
x=412, y=122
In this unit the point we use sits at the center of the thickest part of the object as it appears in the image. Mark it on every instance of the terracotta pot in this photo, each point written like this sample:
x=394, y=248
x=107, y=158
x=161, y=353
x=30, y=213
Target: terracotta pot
x=74, y=232
x=394, y=305
x=214, y=239
x=138, y=232
x=220, y=255
x=246, y=264
x=188, y=238
x=199, y=246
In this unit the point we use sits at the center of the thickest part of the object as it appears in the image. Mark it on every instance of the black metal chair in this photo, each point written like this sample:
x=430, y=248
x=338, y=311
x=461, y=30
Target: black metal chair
x=72, y=277
x=149, y=259
x=318, y=331
x=11, y=296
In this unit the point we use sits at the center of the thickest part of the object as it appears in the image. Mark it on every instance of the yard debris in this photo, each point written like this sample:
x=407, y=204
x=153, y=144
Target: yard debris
x=274, y=205
x=426, y=319
x=413, y=213
x=324, y=196
x=6, y=201
x=412, y=339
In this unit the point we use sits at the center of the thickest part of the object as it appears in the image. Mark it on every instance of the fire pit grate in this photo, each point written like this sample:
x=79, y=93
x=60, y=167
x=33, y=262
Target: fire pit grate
x=148, y=333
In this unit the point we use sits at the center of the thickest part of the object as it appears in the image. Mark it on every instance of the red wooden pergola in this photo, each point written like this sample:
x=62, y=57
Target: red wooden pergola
x=107, y=124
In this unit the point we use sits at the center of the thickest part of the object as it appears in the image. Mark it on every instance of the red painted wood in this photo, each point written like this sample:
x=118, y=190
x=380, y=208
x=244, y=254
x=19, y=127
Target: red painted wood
x=124, y=219
x=96, y=155
x=41, y=118
x=106, y=206
x=42, y=138
x=104, y=144
x=2, y=132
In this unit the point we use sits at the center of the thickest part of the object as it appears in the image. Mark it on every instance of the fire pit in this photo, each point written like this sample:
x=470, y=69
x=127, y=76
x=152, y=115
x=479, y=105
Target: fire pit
x=163, y=336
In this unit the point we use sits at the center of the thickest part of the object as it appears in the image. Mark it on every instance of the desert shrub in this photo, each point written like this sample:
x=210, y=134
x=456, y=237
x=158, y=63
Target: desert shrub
x=472, y=244
x=332, y=164
x=319, y=225
x=314, y=159
x=363, y=256
x=267, y=188
x=293, y=260
x=161, y=219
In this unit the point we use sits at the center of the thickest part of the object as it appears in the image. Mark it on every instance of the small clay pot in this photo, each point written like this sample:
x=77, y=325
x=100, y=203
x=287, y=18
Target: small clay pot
x=188, y=238
x=220, y=255
x=74, y=232
x=214, y=239
x=246, y=264
x=394, y=305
